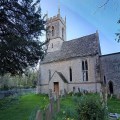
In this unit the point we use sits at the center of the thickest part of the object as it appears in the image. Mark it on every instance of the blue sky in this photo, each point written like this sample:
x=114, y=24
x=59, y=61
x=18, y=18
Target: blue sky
x=84, y=18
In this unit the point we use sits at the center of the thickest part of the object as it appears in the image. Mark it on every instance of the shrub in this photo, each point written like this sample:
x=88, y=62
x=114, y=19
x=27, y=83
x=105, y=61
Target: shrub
x=90, y=108
x=78, y=94
x=5, y=87
x=71, y=94
x=67, y=113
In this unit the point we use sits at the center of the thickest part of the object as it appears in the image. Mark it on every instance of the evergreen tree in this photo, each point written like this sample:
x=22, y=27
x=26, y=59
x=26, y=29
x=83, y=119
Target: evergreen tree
x=21, y=24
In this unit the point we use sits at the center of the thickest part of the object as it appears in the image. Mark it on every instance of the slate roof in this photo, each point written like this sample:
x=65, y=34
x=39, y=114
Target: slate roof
x=62, y=77
x=84, y=46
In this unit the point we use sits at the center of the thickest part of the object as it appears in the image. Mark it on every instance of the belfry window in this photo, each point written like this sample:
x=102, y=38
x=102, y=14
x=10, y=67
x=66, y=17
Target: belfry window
x=53, y=31
x=85, y=70
x=70, y=72
x=52, y=45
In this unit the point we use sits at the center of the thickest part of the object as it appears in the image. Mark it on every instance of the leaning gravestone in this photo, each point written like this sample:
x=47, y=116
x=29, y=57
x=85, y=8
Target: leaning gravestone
x=61, y=93
x=51, y=106
x=50, y=93
x=65, y=92
x=48, y=113
x=39, y=115
x=118, y=96
x=58, y=104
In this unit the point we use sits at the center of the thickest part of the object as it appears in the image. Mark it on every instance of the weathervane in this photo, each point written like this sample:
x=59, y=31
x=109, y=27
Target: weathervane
x=58, y=6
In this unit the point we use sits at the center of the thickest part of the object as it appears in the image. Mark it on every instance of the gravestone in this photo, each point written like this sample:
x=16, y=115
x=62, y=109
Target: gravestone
x=48, y=113
x=58, y=104
x=73, y=90
x=118, y=95
x=79, y=90
x=39, y=115
x=50, y=93
x=61, y=93
x=51, y=106
x=65, y=92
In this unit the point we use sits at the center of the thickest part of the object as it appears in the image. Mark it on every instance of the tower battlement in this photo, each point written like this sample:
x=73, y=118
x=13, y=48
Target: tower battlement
x=55, y=18
x=56, y=32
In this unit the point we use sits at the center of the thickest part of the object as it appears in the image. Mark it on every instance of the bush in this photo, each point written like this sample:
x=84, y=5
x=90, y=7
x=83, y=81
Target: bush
x=90, y=108
x=67, y=113
x=5, y=87
x=71, y=94
x=78, y=94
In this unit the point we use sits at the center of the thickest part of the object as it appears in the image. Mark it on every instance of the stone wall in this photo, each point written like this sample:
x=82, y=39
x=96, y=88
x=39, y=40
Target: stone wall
x=111, y=71
x=92, y=84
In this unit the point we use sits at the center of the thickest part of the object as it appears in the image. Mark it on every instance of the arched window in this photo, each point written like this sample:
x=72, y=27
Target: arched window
x=85, y=70
x=111, y=87
x=104, y=80
x=53, y=31
x=70, y=71
x=62, y=33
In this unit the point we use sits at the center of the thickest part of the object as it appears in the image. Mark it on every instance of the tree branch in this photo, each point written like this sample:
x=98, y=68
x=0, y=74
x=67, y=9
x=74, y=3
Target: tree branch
x=104, y=4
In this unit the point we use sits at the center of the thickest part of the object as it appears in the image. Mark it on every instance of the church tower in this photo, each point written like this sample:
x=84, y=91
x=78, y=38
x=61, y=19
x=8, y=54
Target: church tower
x=56, y=32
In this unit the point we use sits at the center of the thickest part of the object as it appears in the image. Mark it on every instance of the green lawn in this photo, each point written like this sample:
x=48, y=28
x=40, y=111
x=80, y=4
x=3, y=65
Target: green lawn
x=67, y=109
x=21, y=110
x=114, y=105
x=69, y=105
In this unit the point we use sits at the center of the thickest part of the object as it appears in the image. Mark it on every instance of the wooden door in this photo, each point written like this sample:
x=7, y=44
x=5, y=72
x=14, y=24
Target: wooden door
x=56, y=87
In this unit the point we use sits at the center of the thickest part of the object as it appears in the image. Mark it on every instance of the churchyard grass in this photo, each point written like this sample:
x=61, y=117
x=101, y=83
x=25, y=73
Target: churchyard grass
x=22, y=109
x=69, y=105
x=114, y=105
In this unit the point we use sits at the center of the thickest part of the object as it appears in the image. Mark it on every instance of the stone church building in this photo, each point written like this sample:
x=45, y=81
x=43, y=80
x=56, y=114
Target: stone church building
x=77, y=64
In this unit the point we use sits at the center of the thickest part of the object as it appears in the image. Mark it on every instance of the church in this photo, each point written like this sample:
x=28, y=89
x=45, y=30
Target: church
x=75, y=65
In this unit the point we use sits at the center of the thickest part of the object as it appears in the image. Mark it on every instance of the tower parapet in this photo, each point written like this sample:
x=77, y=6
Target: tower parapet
x=56, y=32
x=55, y=18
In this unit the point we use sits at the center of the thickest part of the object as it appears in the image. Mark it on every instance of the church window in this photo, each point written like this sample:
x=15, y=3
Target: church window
x=85, y=70
x=52, y=45
x=111, y=87
x=104, y=80
x=53, y=31
x=70, y=71
x=62, y=33
x=49, y=75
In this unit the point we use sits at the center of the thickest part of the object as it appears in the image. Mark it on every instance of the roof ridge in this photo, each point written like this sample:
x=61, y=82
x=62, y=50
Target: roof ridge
x=110, y=54
x=78, y=47
x=80, y=37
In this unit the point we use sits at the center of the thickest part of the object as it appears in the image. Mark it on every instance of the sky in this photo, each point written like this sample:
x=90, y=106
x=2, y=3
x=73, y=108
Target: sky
x=84, y=17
